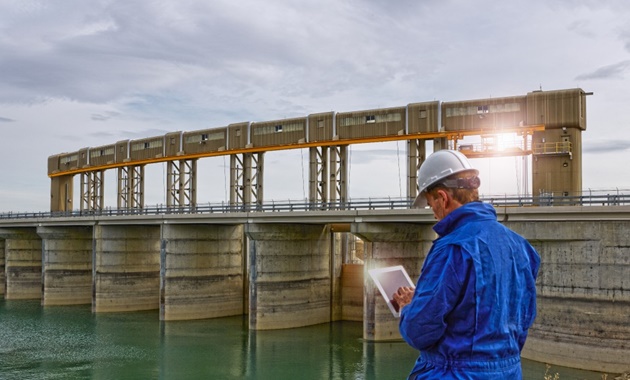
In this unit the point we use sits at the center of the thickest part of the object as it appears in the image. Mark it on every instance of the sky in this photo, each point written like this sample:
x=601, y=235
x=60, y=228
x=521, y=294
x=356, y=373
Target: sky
x=77, y=73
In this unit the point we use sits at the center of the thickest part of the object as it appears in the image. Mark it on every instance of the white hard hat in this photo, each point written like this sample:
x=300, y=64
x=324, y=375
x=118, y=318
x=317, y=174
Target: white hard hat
x=438, y=167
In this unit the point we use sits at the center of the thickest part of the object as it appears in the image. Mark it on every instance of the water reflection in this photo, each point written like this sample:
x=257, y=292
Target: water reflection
x=73, y=343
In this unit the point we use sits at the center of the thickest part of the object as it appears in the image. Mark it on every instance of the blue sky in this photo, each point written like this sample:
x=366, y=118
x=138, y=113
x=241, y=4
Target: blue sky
x=75, y=74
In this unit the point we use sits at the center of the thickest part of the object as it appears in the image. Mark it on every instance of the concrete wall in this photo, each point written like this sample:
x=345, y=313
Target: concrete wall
x=66, y=265
x=23, y=263
x=389, y=244
x=126, y=268
x=352, y=292
x=296, y=273
x=339, y=250
x=202, y=271
x=583, y=294
x=290, y=275
x=3, y=277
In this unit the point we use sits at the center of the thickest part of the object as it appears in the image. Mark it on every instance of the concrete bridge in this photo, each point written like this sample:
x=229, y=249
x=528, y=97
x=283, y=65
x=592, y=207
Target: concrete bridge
x=292, y=269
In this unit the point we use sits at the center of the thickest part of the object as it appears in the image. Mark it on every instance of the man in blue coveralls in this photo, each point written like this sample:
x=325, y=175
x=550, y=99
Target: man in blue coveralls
x=476, y=296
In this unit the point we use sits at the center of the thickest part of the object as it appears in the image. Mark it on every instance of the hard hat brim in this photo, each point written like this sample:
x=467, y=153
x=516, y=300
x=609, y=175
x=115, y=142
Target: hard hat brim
x=420, y=201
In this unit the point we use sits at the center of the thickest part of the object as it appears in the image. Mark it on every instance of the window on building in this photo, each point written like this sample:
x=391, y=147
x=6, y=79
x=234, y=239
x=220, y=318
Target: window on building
x=370, y=119
x=482, y=109
x=278, y=128
x=423, y=114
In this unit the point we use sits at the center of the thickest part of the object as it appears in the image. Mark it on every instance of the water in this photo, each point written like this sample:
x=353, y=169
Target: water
x=72, y=343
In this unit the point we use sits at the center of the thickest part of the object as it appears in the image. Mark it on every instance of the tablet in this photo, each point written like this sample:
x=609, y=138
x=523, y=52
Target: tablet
x=388, y=280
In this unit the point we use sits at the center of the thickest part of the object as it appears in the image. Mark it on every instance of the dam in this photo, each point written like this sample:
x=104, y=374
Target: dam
x=291, y=269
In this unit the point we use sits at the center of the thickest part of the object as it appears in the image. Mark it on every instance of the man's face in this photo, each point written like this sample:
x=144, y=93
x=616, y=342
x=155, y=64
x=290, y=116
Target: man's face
x=437, y=204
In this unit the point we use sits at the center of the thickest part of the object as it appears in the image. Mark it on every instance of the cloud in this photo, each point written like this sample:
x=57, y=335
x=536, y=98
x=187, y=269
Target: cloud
x=104, y=116
x=5, y=120
x=611, y=71
x=605, y=146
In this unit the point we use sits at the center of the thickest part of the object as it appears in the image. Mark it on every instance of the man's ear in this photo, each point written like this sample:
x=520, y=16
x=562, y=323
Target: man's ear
x=446, y=196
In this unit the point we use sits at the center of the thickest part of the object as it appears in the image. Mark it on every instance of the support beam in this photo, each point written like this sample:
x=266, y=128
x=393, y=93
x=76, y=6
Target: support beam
x=92, y=190
x=290, y=275
x=131, y=187
x=318, y=175
x=416, y=154
x=61, y=193
x=202, y=273
x=338, y=174
x=23, y=263
x=66, y=265
x=328, y=175
x=440, y=143
x=181, y=178
x=126, y=273
x=246, y=180
x=3, y=277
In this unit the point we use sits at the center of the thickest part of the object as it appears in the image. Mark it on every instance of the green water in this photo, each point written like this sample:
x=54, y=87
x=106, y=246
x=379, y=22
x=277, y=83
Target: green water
x=72, y=343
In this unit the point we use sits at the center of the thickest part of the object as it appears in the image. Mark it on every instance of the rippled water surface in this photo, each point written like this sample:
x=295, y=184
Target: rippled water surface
x=72, y=343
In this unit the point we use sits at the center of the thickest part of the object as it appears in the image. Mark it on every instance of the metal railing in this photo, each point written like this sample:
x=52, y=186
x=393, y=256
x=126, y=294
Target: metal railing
x=553, y=147
x=617, y=198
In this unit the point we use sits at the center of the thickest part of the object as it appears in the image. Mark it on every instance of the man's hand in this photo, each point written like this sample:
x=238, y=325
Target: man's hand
x=403, y=297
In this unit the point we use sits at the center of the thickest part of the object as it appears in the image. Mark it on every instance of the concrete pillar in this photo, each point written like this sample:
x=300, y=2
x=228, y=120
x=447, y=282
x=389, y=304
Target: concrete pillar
x=352, y=292
x=23, y=263
x=389, y=244
x=126, y=268
x=202, y=271
x=66, y=265
x=339, y=239
x=290, y=275
x=3, y=277
x=583, y=294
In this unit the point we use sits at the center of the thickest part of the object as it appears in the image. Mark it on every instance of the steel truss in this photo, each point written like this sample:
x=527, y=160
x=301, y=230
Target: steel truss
x=181, y=185
x=328, y=175
x=92, y=194
x=131, y=187
x=246, y=179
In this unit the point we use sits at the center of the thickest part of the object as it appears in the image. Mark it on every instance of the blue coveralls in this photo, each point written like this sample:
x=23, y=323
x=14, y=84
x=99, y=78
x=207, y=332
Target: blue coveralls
x=474, y=301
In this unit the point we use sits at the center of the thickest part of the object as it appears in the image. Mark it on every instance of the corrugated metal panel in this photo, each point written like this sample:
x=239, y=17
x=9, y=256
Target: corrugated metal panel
x=103, y=155
x=371, y=123
x=279, y=132
x=122, y=151
x=485, y=114
x=53, y=164
x=142, y=149
x=556, y=109
x=237, y=135
x=320, y=126
x=423, y=117
x=205, y=140
x=173, y=144
x=84, y=157
x=68, y=161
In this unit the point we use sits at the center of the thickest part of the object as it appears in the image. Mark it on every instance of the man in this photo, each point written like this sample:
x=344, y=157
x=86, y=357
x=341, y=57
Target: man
x=476, y=296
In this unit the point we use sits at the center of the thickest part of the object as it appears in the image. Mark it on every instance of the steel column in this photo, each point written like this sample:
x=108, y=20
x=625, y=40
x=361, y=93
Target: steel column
x=131, y=187
x=181, y=181
x=92, y=194
x=246, y=179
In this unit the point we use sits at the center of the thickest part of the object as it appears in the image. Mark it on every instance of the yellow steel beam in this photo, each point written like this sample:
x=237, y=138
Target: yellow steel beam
x=450, y=135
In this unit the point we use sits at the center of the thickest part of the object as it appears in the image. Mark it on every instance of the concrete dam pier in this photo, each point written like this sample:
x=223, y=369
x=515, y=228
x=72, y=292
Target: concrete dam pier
x=287, y=270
